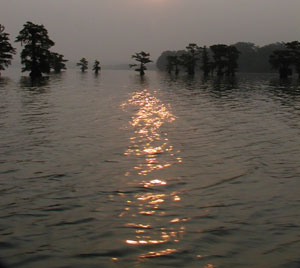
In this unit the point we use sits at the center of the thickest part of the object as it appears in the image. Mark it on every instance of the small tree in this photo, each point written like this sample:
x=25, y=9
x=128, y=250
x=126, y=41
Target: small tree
x=190, y=58
x=143, y=58
x=35, y=55
x=6, y=50
x=83, y=63
x=57, y=62
x=96, y=67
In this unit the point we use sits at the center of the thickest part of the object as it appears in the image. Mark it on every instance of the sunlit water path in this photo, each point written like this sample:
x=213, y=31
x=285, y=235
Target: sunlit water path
x=118, y=171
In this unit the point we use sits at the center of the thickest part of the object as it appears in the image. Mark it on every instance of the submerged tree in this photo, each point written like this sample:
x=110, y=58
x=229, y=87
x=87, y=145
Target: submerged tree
x=57, y=62
x=206, y=65
x=282, y=60
x=294, y=47
x=6, y=49
x=225, y=59
x=219, y=56
x=232, y=56
x=173, y=63
x=96, y=67
x=83, y=63
x=248, y=57
x=190, y=58
x=287, y=59
x=142, y=58
x=35, y=55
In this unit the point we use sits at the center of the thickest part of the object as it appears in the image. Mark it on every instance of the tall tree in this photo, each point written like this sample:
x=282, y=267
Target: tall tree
x=247, y=61
x=57, y=62
x=36, y=55
x=96, y=67
x=190, y=58
x=294, y=47
x=6, y=49
x=282, y=60
x=206, y=65
x=162, y=61
x=83, y=64
x=169, y=65
x=232, y=56
x=219, y=55
x=173, y=63
x=263, y=54
x=142, y=58
x=225, y=59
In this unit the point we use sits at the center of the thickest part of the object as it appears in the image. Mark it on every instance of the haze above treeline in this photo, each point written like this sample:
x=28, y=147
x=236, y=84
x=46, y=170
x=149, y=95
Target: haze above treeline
x=112, y=30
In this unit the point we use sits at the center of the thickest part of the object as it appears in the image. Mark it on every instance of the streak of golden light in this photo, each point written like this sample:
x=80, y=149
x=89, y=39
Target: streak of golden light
x=153, y=254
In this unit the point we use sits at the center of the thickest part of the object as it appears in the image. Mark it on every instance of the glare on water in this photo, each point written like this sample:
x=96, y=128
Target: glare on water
x=146, y=145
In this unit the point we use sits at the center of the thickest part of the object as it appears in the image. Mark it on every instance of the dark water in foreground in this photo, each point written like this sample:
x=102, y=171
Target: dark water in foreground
x=112, y=171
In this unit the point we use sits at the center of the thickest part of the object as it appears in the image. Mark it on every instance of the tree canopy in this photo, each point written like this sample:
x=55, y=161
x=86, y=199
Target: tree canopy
x=190, y=58
x=142, y=58
x=57, y=62
x=96, y=67
x=6, y=49
x=35, y=55
x=83, y=64
x=287, y=59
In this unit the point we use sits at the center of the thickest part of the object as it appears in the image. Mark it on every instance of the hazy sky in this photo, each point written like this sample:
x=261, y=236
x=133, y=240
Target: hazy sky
x=112, y=30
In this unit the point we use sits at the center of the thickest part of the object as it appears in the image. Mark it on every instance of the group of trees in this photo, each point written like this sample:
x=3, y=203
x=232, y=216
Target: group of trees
x=220, y=58
x=83, y=64
x=36, y=55
x=244, y=56
x=287, y=59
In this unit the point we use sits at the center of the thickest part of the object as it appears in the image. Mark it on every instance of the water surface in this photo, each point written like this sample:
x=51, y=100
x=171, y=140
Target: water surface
x=118, y=171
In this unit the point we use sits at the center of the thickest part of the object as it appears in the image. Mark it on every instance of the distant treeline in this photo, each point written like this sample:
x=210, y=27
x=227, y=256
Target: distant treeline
x=252, y=58
x=37, y=57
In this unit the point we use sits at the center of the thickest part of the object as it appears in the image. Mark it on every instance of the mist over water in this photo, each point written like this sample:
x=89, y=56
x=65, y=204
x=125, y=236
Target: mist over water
x=118, y=171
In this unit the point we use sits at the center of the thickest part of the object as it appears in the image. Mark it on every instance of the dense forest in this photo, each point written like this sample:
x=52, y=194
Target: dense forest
x=252, y=58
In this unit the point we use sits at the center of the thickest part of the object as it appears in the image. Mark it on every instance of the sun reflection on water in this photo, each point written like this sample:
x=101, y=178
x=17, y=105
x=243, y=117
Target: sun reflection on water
x=147, y=213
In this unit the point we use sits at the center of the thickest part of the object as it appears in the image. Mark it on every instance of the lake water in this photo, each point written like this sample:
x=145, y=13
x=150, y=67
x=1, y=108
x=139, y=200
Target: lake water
x=118, y=171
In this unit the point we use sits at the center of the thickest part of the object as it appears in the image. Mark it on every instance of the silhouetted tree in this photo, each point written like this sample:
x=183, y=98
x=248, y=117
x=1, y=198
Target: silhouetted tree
x=6, y=49
x=225, y=59
x=232, y=56
x=282, y=60
x=162, y=61
x=206, y=65
x=190, y=58
x=248, y=56
x=263, y=55
x=57, y=62
x=169, y=65
x=143, y=58
x=35, y=55
x=294, y=47
x=173, y=63
x=219, y=55
x=96, y=67
x=83, y=64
